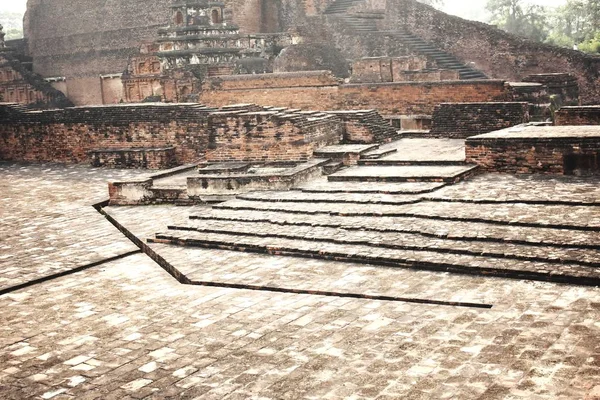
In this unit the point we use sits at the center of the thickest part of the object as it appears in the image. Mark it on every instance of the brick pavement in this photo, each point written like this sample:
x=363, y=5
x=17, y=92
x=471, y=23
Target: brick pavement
x=126, y=329
x=48, y=223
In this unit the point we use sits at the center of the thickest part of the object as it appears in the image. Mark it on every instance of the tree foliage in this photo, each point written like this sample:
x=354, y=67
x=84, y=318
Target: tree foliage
x=575, y=24
x=433, y=3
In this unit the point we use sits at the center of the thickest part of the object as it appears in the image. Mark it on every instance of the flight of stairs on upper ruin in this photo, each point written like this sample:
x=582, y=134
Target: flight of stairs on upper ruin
x=367, y=22
x=443, y=59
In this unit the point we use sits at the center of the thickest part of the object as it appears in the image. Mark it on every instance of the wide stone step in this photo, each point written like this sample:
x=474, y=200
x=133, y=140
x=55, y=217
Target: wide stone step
x=295, y=196
x=398, y=240
x=324, y=186
x=446, y=229
x=423, y=260
x=549, y=216
x=453, y=173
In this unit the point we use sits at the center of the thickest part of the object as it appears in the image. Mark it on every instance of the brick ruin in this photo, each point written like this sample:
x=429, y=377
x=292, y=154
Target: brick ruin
x=18, y=84
x=164, y=135
x=556, y=150
x=91, y=49
x=385, y=66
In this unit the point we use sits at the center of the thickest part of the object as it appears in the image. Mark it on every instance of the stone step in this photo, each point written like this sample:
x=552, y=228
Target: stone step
x=324, y=186
x=332, y=167
x=342, y=151
x=451, y=173
x=436, y=228
x=376, y=154
x=398, y=240
x=390, y=162
x=582, y=218
x=420, y=260
x=295, y=196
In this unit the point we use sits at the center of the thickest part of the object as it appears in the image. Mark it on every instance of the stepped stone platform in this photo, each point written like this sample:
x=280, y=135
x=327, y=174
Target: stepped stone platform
x=529, y=231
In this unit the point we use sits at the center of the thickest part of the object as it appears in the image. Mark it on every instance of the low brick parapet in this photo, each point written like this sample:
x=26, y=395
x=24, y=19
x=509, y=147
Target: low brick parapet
x=584, y=115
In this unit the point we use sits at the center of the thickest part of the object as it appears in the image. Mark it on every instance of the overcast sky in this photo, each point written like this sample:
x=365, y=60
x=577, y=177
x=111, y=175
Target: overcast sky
x=463, y=8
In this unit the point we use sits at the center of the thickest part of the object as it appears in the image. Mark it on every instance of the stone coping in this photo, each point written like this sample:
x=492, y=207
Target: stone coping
x=542, y=133
x=262, y=176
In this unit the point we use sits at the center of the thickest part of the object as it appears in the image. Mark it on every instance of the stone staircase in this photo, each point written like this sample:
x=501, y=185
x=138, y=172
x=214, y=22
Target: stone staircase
x=399, y=230
x=443, y=59
x=379, y=130
x=342, y=6
x=396, y=213
x=367, y=23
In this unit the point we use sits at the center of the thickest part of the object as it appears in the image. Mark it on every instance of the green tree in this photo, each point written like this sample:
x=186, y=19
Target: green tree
x=433, y=3
x=516, y=17
x=576, y=23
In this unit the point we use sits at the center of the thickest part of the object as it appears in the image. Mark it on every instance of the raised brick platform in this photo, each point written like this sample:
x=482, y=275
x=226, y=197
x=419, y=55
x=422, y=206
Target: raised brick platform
x=461, y=120
x=569, y=150
x=584, y=115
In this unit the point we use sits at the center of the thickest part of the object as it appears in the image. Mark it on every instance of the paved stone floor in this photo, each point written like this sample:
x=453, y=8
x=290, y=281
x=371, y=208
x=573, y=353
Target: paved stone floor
x=48, y=223
x=127, y=329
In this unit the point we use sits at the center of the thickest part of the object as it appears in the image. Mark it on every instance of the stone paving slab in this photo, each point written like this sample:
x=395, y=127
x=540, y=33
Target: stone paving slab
x=322, y=185
x=527, y=188
x=48, y=223
x=577, y=217
x=457, y=230
x=422, y=149
x=128, y=330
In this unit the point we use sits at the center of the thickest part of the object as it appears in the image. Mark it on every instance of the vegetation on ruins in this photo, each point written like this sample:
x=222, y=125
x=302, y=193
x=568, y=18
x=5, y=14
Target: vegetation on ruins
x=576, y=24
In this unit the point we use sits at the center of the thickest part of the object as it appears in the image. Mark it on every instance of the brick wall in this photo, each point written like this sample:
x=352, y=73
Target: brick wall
x=161, y=135
x=586, y=115
x=157, y=158
x=68, y=135
x=547, y=151
x=276, y=80
x=268, y=136
x=468, y=119
x=388, y=98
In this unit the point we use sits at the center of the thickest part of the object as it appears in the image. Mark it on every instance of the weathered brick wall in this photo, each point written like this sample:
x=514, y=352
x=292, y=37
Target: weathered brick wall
x=468, y=119
x=393, y=69
x=544, y=154
x=586, y=115
x=387, y=98
x=68, y=135
x=158, y=158
x=276, y=80
x=497, y=53
x=365, y=126
x=267, y=136
x=160, y=135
